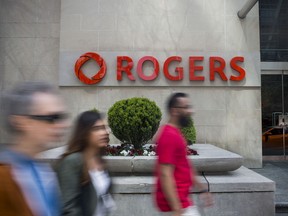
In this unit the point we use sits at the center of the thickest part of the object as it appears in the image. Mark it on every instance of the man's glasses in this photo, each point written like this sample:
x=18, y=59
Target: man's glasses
x=53, y=118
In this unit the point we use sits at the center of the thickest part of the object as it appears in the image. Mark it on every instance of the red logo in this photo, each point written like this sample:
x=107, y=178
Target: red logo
x=195, y=71
x=98, y=76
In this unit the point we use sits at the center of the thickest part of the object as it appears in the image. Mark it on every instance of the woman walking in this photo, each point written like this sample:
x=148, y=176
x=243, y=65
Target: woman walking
x=84, y=181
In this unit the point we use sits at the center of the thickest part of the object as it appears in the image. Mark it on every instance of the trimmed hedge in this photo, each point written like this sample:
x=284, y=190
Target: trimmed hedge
x=134, y=121
x=189, y=132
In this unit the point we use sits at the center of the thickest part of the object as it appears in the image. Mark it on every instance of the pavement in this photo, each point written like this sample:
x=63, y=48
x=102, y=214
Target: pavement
x=278, y=172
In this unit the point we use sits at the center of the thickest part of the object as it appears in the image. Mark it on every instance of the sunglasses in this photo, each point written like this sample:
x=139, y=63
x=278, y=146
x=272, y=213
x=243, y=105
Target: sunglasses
x=53, y=118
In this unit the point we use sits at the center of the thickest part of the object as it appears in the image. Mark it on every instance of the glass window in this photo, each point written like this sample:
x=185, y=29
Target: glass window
x=273, y=30
x=274, y=94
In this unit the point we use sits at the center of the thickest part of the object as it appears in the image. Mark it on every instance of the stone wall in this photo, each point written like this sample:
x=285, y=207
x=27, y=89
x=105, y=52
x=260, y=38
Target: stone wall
x=229, y=117
x=29, y=43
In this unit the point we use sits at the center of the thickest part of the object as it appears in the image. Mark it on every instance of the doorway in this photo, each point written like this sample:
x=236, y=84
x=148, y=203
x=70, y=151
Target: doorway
x=274, y=95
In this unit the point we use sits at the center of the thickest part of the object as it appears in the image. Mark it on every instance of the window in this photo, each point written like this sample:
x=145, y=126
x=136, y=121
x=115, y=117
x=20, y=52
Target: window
x=273, y=30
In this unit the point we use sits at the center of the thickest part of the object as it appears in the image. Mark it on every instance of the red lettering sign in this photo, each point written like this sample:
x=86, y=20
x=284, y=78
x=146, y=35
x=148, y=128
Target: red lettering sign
x=125, y=66
x=140, y=68
x=127, y=69
x=237, y=68
x=217, y=69
x=178, y=70
x=193, y=68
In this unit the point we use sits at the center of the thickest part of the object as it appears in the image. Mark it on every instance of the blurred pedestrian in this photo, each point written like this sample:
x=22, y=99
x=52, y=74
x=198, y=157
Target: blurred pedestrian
x=175, y=175
x=35, y=116
x=83, y=177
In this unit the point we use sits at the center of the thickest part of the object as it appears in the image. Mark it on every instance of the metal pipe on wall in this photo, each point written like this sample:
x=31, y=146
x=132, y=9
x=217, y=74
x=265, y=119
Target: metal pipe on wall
x=246, y=8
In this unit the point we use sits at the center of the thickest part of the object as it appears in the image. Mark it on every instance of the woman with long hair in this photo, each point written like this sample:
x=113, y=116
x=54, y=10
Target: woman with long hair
x=84, y=181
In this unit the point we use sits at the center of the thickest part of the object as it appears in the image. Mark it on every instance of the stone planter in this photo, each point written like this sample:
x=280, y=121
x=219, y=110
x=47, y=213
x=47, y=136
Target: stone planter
x=210, y=159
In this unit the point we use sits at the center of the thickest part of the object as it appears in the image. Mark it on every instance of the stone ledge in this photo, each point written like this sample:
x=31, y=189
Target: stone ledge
x=140, y=184
x=240, y=192
x=210, y=159
x=241, y=180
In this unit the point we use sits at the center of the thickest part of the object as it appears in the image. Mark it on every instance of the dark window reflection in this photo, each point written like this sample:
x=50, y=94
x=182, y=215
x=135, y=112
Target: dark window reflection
x=273, y=30
x=274, y=133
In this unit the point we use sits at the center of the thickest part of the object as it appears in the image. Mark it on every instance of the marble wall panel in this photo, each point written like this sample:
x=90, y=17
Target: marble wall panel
x=126, y=7
x=244, y=135
x=208, y=98
x=73, y=7
x=17, y=51
x=143, y=41
x=206, y=23
x=79, y=41
x=210, y=39
x=116, y=40
x=17, y=30
x=13, y=74
x=70, y=23
x=214, y=7
x=70, y=7
x=242, y=34
x=216, y=135
x=149, y=7
x=100, y=22
x=23, y=11
x=45, y=51
x=196, y=7
x=126, y=23
x=109, y=6
x=175, y=25
x=48, y=11
x=192, y=41
x=210, y=117
x=200, y=134
x=47, y=30
x=243, y=99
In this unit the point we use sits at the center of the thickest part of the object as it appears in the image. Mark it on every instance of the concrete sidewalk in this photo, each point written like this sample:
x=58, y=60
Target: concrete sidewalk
x=278, y=172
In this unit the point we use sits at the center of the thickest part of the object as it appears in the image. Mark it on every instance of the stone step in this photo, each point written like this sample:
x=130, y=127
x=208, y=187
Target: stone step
x=239, y=192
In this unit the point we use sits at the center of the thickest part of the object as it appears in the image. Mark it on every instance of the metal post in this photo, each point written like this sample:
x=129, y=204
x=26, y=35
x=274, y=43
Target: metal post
x=283, y=114
x=246, y=8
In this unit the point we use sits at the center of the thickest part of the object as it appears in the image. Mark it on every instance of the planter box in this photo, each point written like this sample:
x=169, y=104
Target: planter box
x=210, y=159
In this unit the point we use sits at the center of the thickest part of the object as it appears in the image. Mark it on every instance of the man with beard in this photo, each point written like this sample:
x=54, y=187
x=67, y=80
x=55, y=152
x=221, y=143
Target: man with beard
x=175, y=175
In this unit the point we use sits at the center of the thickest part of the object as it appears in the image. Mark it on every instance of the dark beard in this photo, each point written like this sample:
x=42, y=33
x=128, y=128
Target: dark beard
x=184, y=121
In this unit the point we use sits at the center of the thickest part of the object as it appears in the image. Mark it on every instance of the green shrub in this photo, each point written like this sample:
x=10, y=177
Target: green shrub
x=189, y=132
x=134, y=121
x=95, y=110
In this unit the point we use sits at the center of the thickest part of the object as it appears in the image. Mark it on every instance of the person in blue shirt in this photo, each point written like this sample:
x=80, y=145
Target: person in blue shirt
x=35, y=116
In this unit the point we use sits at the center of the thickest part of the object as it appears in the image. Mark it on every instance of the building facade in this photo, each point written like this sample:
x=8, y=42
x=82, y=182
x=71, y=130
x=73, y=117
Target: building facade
x=42, y=40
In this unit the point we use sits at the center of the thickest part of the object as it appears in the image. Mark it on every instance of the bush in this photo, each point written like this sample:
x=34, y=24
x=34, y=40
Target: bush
x=95, y=110
x=134, y=121
x=189, y=132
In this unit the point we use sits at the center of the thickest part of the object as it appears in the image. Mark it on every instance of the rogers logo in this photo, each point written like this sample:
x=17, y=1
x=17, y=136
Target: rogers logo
x=98, y=76
x=195, y=71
